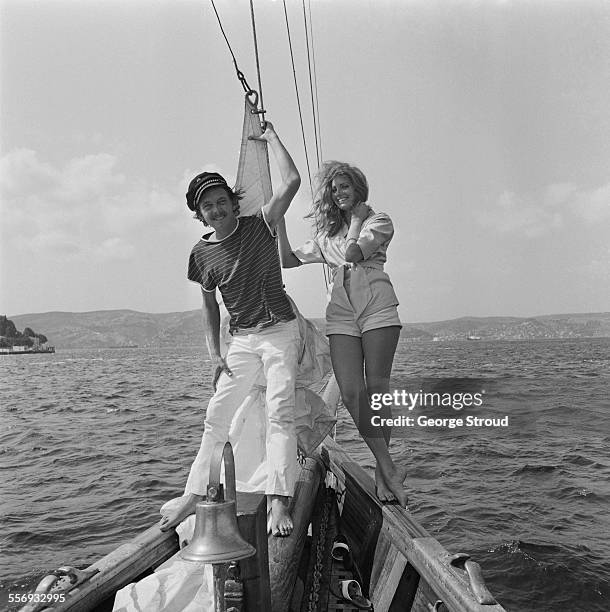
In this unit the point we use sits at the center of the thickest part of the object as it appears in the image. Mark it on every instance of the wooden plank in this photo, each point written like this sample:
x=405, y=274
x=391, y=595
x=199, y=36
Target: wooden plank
x=388, y=566
x=285, y=553
x=343, y=466
x=451, y=585
x=365, y=520
x=360, y=524
x=252, y=522
x=424, y=598
x=406, y=590
x=362, y=520
x=121, y=567
x=338, y=573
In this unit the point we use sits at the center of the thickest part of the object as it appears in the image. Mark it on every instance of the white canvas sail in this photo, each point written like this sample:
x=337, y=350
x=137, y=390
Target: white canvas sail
x=253, y=175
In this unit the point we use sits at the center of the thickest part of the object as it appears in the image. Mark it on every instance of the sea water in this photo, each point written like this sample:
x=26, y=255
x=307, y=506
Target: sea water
x=92, y=442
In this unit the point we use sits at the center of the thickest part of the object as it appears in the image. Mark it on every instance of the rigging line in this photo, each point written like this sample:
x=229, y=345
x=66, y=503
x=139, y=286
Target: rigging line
x=326, y=273
x=313, y=107
x=294, y=73
x=316, y=113
x=315, y=79
x=225, y=36
x=258, y=67
x=240, y=74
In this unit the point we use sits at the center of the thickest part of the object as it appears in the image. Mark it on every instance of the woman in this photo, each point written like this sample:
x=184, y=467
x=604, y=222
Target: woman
x=361, y=317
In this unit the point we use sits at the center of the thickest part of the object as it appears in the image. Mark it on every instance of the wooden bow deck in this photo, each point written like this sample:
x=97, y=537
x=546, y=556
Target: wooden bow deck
x=399, y=565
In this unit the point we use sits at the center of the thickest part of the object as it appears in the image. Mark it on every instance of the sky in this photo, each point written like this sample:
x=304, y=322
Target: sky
x=483, y=128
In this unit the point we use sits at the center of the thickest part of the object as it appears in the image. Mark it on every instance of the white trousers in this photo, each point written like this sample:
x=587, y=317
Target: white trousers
x=272, y=353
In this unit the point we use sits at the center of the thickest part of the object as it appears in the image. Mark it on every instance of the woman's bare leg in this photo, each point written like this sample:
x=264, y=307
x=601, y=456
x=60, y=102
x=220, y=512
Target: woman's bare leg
x=347, y=355
x=379, y=347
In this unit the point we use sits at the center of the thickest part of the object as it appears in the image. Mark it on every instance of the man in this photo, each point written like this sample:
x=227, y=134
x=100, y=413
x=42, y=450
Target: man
x=238, y=256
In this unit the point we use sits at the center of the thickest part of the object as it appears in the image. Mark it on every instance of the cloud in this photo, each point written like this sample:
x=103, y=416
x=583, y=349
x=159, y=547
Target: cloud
x=599, y=268
x=514, y=214
x=83, y=207
x=22, y=173
x=557, y=206
x=594, y=206
x=88, y=178
x=114, y=248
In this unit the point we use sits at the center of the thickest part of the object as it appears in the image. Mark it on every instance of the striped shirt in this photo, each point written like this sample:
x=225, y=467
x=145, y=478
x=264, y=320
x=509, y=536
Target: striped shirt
x=245, y=267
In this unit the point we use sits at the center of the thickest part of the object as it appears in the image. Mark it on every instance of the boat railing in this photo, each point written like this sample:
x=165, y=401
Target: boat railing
x=398, y=559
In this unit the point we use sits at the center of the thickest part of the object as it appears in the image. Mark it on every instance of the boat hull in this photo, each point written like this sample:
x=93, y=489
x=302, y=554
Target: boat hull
x=399, y=565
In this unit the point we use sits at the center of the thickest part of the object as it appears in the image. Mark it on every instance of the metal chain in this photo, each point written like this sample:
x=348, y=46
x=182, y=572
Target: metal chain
x=314, y=593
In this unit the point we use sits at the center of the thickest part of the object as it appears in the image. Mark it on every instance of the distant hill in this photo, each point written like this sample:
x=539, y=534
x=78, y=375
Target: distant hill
x=595, y=325
x=119, y=328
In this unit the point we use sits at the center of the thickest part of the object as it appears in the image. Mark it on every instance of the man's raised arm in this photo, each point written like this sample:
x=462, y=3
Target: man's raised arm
x=276, y=208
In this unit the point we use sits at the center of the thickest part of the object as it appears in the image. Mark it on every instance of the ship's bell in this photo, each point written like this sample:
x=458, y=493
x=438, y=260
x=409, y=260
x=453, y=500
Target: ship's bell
x=216, y=538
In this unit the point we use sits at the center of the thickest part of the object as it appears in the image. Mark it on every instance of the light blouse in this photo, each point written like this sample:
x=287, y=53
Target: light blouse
x=375, y=236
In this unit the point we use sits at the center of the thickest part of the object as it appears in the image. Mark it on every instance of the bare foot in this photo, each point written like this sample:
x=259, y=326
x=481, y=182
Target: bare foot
x=281, y=521
x=393, y=485
x=381, y=488
x=173, y=517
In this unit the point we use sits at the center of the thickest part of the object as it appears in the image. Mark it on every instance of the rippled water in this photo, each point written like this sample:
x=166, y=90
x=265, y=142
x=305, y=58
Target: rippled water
x=92, y=442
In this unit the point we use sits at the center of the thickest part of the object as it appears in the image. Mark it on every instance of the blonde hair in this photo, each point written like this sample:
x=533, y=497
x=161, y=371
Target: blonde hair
x=329, y=218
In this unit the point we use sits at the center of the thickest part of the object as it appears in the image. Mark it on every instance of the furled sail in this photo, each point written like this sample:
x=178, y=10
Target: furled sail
x=253, y=175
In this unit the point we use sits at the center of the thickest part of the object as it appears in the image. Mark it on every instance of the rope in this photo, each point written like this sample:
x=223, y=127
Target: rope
x=296, y=87
x=315, y=79
x=258, y=67
x=315, y=110
x=240, y=75
x=313, y=105
x=327, y=276
x=259, y=95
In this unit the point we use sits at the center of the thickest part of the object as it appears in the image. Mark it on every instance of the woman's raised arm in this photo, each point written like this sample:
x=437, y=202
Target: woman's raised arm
x=287, y=257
